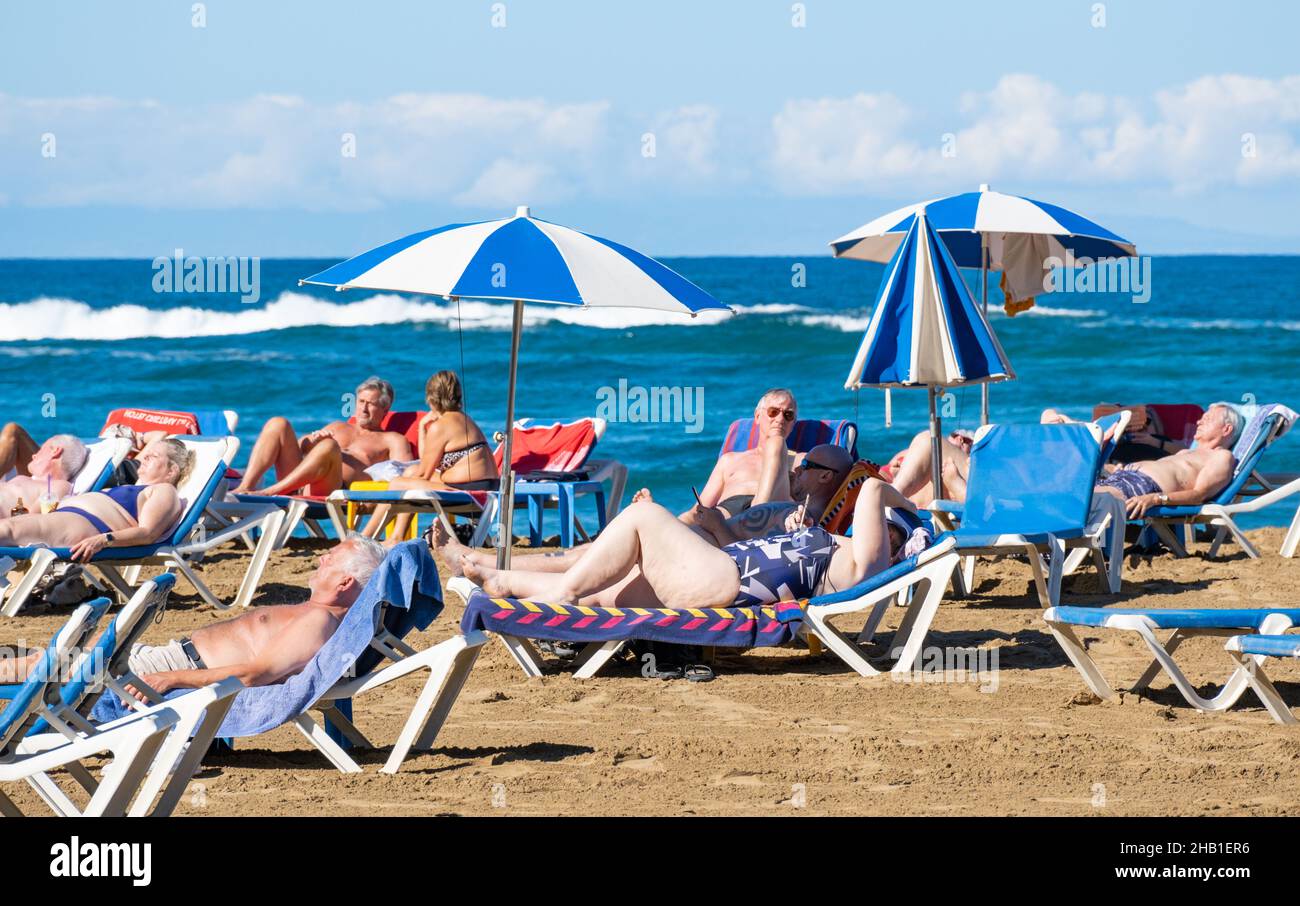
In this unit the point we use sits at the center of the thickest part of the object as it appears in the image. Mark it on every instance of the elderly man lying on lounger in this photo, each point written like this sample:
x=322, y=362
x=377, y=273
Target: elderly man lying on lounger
x=813, y=484
x=647, y=557
x=118, y=517
x=746, y=477
x=1187, y=477
x=51, y=468
x=332, y=457
x=264, y=646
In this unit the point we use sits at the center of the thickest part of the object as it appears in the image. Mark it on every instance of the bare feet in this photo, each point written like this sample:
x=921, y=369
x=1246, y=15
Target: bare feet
x=449, y=550
x=487, y=578
x=643, y=494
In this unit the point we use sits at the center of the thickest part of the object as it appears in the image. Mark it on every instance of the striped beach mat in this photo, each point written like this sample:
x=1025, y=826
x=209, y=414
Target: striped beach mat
x=723, y=627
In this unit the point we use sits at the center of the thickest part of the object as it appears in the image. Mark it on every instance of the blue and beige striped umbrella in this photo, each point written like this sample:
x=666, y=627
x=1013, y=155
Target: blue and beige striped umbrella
x=519, y=259
x=926, y=330
x=966, y=220
x=1028, y=232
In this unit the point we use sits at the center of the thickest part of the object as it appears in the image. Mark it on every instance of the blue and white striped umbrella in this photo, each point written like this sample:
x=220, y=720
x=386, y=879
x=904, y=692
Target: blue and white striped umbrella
x=964, y=219
x=926, y=330
x=520, y=259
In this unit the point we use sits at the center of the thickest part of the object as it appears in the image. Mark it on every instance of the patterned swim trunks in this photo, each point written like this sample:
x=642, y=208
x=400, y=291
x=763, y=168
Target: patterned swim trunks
x=1132, y=483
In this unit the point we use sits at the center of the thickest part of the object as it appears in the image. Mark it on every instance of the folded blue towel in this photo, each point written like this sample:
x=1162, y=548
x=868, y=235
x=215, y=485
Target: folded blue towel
x=407, y=581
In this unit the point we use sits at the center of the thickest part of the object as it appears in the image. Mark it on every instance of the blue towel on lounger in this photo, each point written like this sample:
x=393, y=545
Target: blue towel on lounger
x=407, y=581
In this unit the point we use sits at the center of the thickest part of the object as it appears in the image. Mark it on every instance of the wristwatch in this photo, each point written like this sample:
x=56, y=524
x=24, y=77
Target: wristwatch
x=108, y=537
x=1164, y=499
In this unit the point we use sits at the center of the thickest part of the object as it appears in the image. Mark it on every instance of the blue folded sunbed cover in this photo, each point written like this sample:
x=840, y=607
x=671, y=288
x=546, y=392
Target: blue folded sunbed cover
x=1270, y=645
x=1170, y=618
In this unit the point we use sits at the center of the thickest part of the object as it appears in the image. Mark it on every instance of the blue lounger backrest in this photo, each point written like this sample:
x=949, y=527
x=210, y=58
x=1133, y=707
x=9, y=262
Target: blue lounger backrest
x=1030, y=479
x=1105, y=423
x=25, y=700
x=806, y=434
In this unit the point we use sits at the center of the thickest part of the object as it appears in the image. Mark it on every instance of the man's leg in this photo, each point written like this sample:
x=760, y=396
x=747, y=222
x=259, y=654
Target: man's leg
x=16, y=449
x=276, y=447
x=914, y=476
x=774, y=475
x=322, y=463
x=452, y=552
x=868, y=551
x=680, y=568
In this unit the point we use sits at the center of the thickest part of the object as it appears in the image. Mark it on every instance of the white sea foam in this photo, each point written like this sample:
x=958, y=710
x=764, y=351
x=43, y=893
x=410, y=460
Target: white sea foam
x=69, y=319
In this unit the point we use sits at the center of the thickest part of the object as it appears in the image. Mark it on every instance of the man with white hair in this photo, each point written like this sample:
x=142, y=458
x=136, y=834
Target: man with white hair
x=264, y=646
x=1185, y=478
x=332, y=457
x=744, y=478
x=51, y=468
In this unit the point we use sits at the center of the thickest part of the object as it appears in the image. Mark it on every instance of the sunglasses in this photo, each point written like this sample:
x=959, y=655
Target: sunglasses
x=774, y=411
x=809, y=464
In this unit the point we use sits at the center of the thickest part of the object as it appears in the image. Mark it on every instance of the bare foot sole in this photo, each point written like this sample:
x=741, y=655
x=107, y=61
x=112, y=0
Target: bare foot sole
x=448, y=548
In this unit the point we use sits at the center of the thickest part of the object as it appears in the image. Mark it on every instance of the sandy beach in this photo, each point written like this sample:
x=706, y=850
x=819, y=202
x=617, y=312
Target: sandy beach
x=781, y=732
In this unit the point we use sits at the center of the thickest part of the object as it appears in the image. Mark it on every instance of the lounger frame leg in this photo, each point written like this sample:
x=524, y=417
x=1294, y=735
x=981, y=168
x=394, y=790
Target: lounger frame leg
x=40, y=563
x=595, y=656
x=332, y=751
x=525, y=655
x=1251, y=667
x=449, y=667
x=1078, y=655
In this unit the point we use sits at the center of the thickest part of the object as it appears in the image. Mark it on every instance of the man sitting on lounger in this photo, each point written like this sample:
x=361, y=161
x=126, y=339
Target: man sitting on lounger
x=51, y=468
x=264, y=646
x=1186, y=478
x=746, y=477
x=124, y=516
x=332, y=457
x=813, y=484
x=646, y=557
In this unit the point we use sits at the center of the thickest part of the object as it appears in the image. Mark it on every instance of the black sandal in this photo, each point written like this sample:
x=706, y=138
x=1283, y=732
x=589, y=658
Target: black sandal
x=699, y=673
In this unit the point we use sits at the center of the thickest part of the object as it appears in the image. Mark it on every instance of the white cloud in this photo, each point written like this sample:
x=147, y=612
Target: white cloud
x=1025, y=129
x=283, y=151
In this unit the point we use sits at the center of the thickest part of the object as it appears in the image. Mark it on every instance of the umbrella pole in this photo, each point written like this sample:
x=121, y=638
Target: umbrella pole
x=984, y=300
x=936, y=446
x=507, y=495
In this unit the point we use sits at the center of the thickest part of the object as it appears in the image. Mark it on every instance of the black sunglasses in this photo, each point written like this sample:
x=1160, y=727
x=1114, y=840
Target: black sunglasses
x=809, y=464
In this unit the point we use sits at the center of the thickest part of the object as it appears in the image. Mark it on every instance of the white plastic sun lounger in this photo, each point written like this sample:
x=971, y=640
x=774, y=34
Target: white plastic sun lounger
x=183, y=549
x=1182, y=624
x=1249, y=651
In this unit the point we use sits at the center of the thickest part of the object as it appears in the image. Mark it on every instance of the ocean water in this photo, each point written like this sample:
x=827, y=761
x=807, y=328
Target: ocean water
x=78, y=338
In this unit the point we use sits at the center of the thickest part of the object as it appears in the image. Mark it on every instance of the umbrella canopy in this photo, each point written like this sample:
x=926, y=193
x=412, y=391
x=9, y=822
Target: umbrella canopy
x=963, y=219
x=519, y=259
x=927, y=331
x=1019, y=234
x=523, y=259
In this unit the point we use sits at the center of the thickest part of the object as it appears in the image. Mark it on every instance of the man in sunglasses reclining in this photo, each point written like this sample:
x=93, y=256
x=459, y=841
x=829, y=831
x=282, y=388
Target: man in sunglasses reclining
x=746, y=477
x=811, y=486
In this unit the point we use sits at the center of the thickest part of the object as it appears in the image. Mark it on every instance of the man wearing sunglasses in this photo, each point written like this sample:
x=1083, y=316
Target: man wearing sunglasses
x=813, y=482
x=758, y=475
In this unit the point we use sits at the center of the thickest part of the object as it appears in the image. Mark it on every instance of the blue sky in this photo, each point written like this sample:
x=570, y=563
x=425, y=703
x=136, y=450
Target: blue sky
x=768, y=138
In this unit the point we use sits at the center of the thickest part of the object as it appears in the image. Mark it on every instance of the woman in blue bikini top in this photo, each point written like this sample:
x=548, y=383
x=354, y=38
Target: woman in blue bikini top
x=119, y=517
